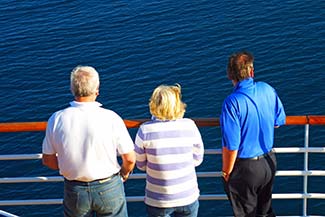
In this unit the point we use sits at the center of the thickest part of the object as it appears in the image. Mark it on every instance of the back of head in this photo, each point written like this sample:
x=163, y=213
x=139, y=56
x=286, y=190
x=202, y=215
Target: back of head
x=84, y=81
x=240, y=65
x=166, y=103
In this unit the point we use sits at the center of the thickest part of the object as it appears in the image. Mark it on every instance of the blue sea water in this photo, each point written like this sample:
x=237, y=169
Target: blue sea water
x=138, y=45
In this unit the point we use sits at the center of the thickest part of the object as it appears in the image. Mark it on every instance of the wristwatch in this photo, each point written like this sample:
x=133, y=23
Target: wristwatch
x=124, y=177
x=224, y=174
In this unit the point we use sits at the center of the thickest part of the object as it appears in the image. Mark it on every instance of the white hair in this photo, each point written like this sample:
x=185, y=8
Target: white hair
x=84, y=81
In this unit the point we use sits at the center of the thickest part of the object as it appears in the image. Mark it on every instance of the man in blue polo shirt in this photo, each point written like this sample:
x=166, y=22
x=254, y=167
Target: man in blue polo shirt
x=247, y=120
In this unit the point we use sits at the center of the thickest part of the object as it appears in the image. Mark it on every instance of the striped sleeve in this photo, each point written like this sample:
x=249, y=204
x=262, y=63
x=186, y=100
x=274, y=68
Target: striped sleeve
x=198, y=147
x=141, y=158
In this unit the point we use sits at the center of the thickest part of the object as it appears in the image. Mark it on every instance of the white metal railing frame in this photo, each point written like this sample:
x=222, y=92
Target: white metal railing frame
x=305, y=196
x=305, y=173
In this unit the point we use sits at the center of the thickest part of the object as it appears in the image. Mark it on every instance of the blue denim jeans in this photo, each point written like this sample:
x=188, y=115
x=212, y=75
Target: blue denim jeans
x=105, y=199
x=190, y=210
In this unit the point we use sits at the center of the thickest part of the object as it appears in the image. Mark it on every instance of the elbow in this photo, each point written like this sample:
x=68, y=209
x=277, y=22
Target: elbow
x=129, y=158
x=132, y=158
x=198, y=163
x=50, y=161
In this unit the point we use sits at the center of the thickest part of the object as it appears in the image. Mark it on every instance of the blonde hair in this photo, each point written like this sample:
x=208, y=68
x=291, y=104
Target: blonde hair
x=84, y=81
x=166, y=102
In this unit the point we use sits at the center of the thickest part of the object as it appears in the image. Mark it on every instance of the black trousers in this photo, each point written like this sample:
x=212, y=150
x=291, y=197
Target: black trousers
x=249, y=188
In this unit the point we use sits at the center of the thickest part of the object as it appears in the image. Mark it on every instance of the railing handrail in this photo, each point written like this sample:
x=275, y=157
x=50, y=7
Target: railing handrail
x=201, y=122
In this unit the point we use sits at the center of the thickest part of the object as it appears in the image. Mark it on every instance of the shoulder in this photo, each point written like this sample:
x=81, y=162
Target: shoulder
x=152, y=125
x=266, y=90
x=264, y=85
x=58, y=114
x=187, y=121
x=108, y=113
x=56, y=117
x=233, y=99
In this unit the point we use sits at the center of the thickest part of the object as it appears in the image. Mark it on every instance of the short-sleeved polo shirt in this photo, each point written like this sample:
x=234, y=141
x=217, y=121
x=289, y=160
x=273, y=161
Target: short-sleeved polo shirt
x=87, y=139
x=248, y=118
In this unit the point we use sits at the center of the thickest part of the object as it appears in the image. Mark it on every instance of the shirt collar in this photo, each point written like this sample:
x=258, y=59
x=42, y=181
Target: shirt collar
x=249, y=82
x=155, y=119
x=84, y=104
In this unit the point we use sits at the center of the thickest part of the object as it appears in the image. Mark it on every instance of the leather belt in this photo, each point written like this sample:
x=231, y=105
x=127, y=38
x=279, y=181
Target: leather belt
x=255, y=158
x=100, y=181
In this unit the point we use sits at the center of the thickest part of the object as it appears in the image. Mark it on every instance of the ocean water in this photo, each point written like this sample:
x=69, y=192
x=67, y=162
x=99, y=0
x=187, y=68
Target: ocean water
x=138, y=45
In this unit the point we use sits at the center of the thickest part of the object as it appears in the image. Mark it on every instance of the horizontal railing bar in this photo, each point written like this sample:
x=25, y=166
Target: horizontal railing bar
x=30, y=202
x=141, y=198
x=15, y=180
x=21, y=157
x=31, y=179
x=207, y=151
x=12, y=180
x=213, y=197
x=212, y=151
x=300, y=150
x=22, y=126
x=39, y=156
x=300, y=173
x=201, y=122
x=298, y=196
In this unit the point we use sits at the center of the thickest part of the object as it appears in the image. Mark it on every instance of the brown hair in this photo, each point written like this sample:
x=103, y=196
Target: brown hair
x=239, y=65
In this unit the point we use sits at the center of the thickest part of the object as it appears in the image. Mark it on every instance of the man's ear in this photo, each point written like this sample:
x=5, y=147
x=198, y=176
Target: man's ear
x=251, y=72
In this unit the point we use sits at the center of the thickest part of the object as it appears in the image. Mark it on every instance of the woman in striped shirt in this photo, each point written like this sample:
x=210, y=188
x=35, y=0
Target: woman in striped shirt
x=168, y=148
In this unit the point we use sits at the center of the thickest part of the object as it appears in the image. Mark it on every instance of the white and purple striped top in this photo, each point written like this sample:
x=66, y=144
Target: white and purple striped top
x=169, y=151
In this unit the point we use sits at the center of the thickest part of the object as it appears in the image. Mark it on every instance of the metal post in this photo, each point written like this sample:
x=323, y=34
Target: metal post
x=305, y=190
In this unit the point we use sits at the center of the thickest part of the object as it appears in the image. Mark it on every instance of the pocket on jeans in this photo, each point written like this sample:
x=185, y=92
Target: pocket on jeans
x=112, y=198
x=72, y=198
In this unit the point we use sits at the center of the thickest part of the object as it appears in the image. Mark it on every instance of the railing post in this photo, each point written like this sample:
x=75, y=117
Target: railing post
x=305, y=183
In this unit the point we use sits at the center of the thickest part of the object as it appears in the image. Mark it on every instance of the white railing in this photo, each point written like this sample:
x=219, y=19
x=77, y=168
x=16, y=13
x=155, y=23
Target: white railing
x=7, y=214
x=293, y=120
